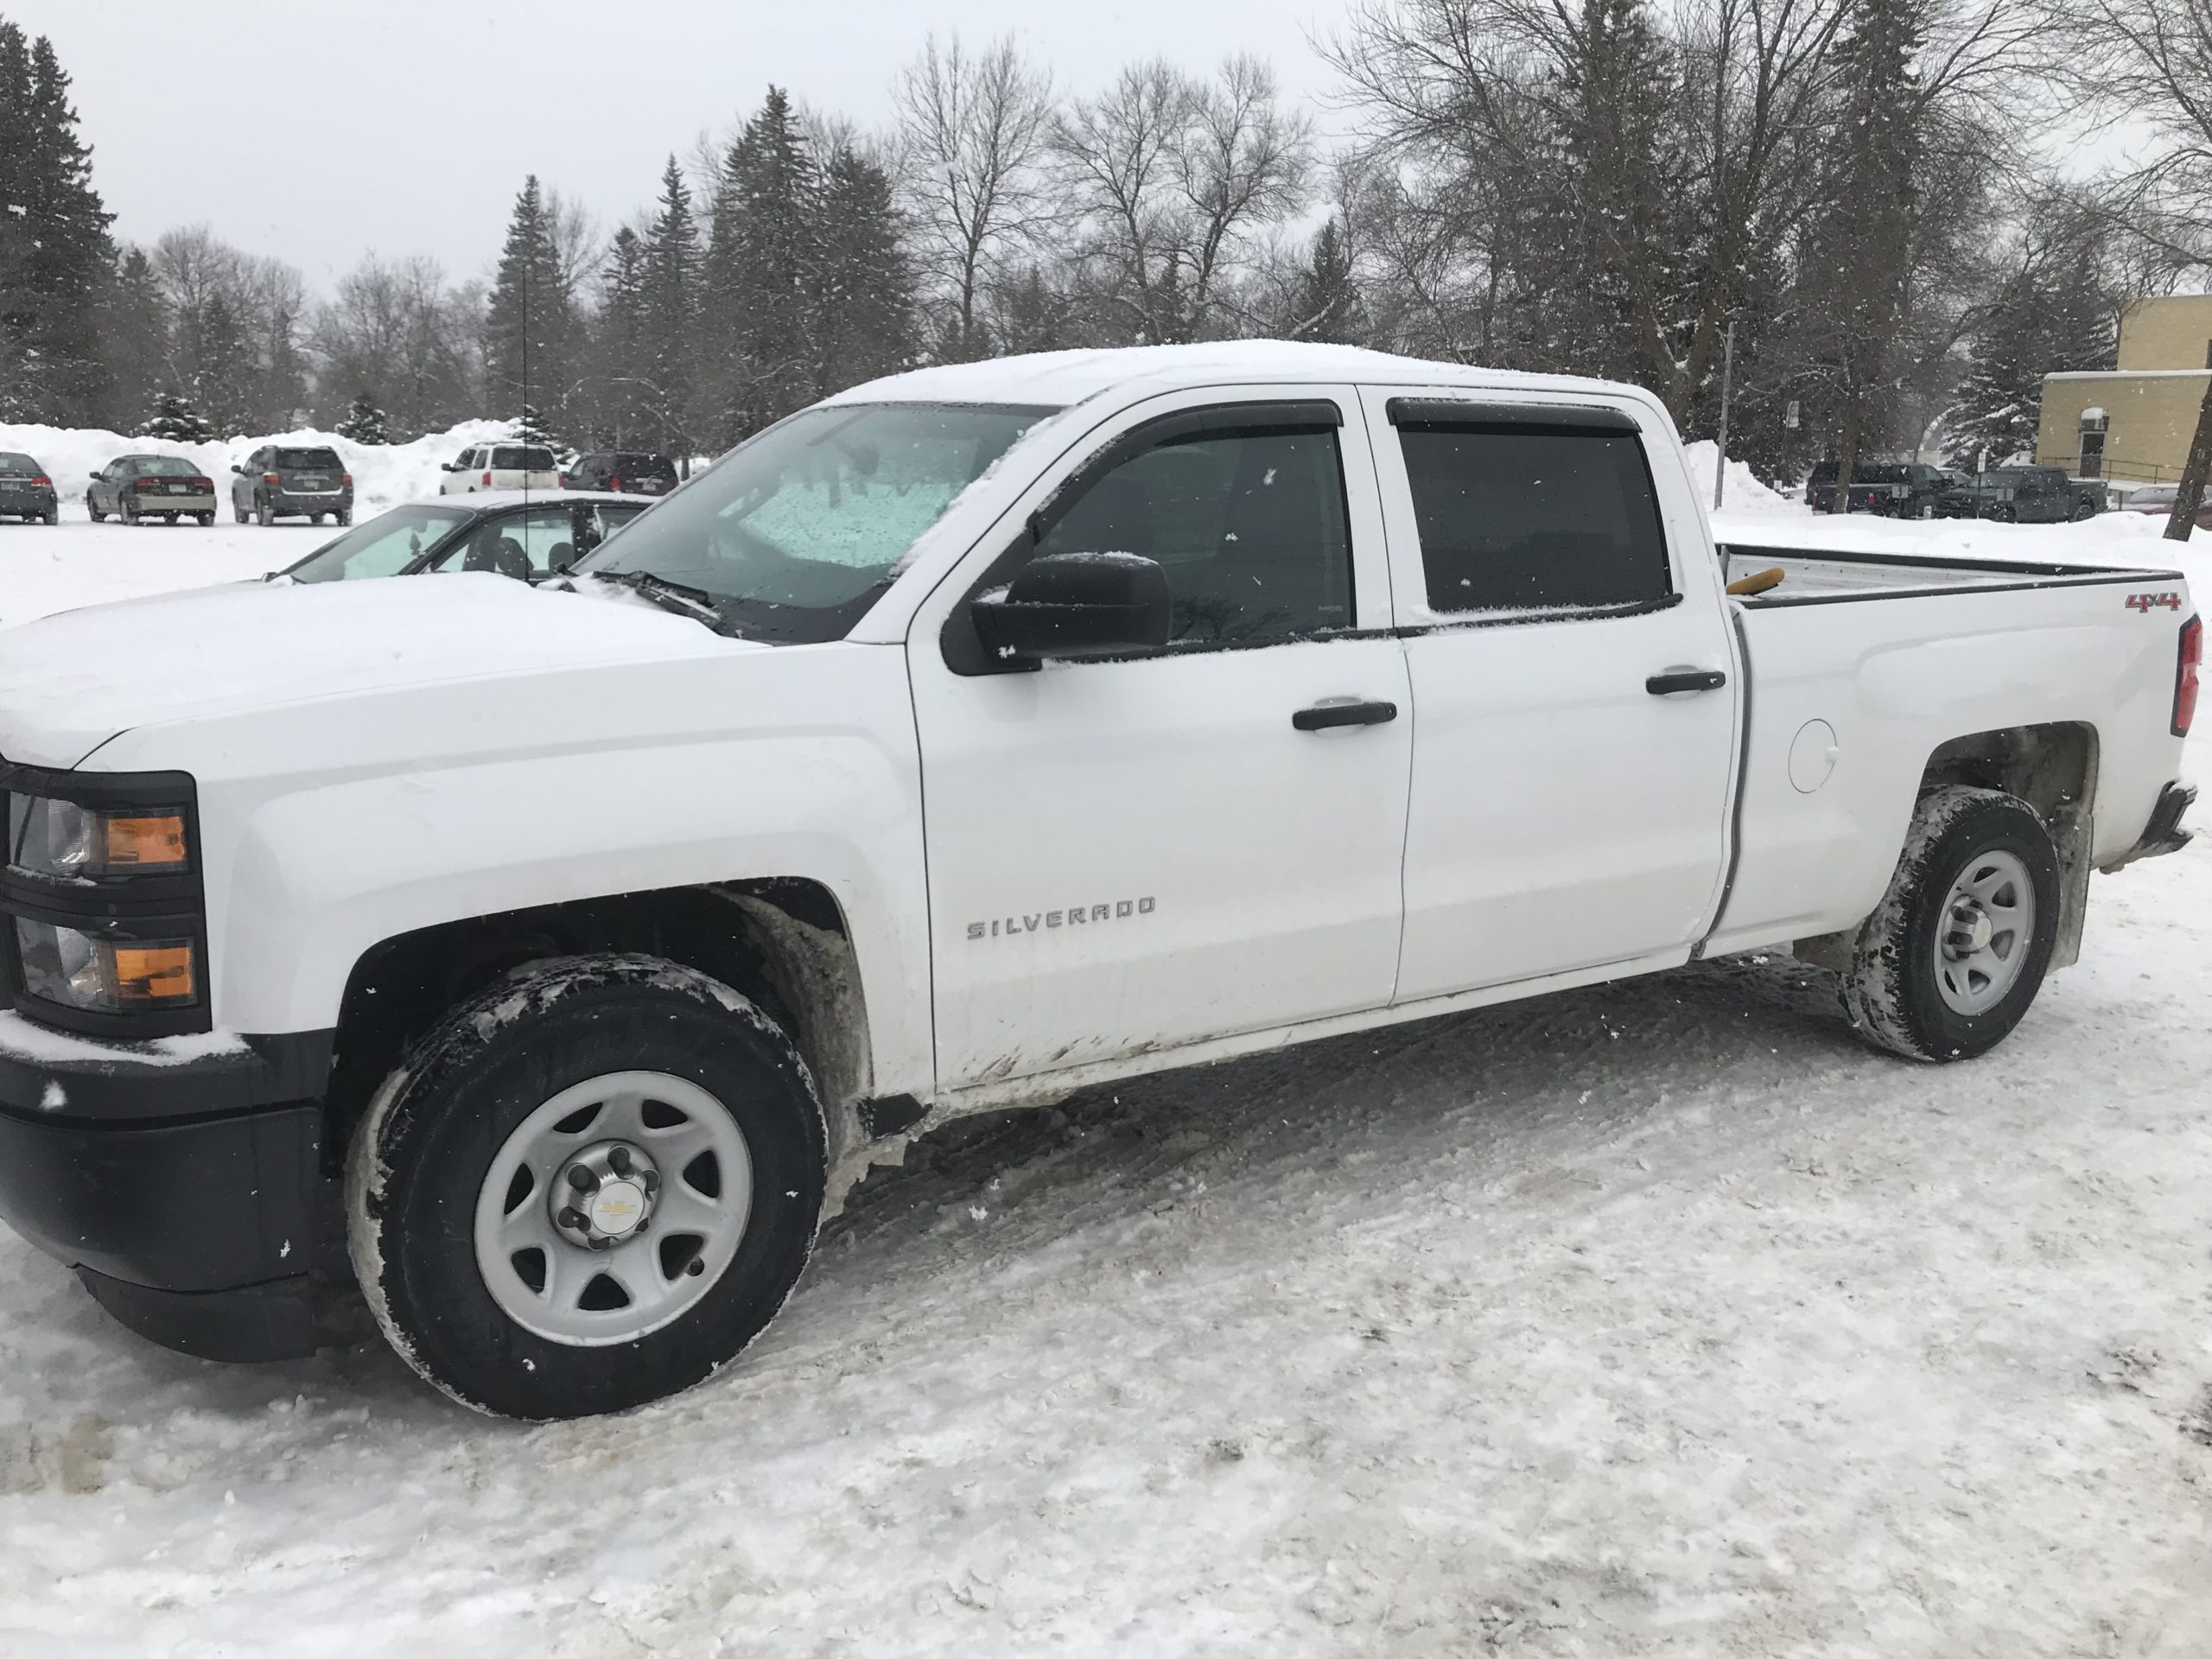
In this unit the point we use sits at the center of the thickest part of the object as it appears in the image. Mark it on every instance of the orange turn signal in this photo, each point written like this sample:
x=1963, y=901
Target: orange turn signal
x=141, y=844
x=161, y=973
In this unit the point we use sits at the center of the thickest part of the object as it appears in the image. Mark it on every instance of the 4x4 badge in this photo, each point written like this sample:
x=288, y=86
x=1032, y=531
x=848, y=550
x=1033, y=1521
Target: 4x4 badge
x=2147, y=603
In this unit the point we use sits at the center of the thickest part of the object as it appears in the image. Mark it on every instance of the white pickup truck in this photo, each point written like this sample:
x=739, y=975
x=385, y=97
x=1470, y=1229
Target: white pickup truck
x=972, y=737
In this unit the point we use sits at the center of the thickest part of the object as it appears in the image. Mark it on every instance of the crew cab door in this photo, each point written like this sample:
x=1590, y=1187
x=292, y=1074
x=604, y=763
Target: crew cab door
x=1134, y=853
x=1575, y=682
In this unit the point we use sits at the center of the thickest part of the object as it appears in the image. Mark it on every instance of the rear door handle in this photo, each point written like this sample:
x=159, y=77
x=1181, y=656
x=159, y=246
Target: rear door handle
x=1323, y=715
x=1685, y=679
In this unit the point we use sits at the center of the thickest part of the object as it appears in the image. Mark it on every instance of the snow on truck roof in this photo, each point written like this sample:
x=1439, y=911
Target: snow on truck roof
x=1061, y=378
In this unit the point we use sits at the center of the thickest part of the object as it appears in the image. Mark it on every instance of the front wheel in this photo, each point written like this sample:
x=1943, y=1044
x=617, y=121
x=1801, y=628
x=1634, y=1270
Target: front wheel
x=588, y=1187
x=98, y=517
x=263, y=514
x=1955, y=953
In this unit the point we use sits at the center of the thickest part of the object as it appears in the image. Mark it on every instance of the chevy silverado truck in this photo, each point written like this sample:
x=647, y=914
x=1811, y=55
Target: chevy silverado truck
x=974, y=736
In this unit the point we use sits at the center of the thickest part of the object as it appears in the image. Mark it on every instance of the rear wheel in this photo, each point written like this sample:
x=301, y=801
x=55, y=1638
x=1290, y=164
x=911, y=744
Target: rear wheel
x=588, y=1187
x=1955, y=953
x=314, y=519
x=127, y=510
x=345, y=516
x=207, y=521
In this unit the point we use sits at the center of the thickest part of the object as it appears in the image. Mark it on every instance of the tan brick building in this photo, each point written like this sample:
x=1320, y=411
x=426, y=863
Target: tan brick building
x=2132, y=425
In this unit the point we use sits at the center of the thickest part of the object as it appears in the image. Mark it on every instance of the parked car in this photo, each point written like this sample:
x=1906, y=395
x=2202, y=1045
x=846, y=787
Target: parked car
x=2157, y=501
x=981, y=733
x=528, y=537
x=1893, y=489
x=500, y=467
x=622, y=471
x=26, y=491
x=138, y=487
x=2025, y=495
x=282, y=481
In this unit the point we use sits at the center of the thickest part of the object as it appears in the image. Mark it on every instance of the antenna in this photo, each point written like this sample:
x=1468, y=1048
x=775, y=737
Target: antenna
x=525, y=379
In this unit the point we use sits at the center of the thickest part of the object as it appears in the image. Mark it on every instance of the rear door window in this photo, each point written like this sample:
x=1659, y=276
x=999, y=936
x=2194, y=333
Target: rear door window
x=1517, y=517
x=524, y=460
x=524, y=545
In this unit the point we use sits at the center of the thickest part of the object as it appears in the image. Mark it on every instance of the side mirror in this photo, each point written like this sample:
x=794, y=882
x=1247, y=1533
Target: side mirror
x=97, y=478
x=1074, y=605
x=240, y=471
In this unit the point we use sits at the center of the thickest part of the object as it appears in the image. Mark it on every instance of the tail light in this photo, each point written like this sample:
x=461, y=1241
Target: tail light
x=345, y=480
x=203, y=483
x=560, y=481
x=615, y=485
x=41, y=482
x=2187, y=673
x=487, y=481
x=146, y=484
x=271, y=479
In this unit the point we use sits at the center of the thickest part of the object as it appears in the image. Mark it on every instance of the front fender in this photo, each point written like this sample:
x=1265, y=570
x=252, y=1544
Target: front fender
x=440, y=805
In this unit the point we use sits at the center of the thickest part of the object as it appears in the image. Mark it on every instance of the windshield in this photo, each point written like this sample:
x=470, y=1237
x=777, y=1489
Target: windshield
x=383, y=546
x=795, y=534
x=523, y=460
x=163, y=467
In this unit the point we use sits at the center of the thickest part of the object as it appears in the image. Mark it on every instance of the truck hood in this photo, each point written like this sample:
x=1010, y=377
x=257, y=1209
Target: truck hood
x=69, y=683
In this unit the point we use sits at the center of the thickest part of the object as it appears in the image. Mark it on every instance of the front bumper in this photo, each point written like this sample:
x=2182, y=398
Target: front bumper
x=183, y=1192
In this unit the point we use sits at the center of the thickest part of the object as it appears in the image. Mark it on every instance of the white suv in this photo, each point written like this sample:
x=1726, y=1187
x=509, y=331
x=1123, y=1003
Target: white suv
x=500, y=467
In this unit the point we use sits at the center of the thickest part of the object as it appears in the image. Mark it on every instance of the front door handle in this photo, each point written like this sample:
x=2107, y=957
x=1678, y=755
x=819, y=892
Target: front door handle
x=1323, y=715
x=1685, y=679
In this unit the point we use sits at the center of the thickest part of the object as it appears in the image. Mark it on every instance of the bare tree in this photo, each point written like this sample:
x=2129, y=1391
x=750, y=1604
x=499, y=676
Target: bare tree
x=973, y=129
x=1174, y=178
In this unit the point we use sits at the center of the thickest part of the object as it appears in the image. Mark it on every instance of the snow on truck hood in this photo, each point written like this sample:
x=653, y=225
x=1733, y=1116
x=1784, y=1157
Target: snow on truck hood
x=70, y=682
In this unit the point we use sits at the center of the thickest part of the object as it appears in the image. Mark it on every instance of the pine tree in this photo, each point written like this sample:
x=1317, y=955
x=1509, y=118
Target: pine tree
x=364, y=423
x=529, y=326
x=531, y=428
x=2044, y=320
x=763, y=258
x=176, y=420
x=863, y=321
x=668, y=319
x=54, y=246
x=1325, y=303
x=617, y=341
x=134, y=331
x=223, y=384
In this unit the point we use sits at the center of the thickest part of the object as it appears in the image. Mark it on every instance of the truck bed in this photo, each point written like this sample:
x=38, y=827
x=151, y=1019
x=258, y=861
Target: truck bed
x=1826, y=577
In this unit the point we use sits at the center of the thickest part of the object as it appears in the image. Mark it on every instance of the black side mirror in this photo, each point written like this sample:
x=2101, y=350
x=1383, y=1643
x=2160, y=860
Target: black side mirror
x=100, y=478
x=1074, y=605
x=240, y=471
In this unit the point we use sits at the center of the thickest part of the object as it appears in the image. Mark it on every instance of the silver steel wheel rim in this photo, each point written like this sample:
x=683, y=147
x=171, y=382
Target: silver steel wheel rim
x=663, y=1261
x=1987, y=930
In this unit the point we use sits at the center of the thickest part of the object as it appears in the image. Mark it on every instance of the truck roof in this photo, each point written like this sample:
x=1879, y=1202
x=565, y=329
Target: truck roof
x=1060, y=379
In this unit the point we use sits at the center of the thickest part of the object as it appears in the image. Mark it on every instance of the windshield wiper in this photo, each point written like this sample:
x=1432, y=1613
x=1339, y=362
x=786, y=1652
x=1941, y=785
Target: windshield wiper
x=676, y=596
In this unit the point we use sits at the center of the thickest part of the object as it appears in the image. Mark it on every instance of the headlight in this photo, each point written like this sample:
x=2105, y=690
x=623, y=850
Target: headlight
x=63, y=838
x=103, y=921
x=105, y=973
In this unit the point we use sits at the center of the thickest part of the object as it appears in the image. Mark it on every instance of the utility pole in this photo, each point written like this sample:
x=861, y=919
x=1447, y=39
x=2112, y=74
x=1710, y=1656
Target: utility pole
x=1727, y=389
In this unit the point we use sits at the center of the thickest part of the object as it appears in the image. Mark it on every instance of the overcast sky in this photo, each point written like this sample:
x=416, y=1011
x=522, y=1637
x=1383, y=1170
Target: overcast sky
x=315, y=131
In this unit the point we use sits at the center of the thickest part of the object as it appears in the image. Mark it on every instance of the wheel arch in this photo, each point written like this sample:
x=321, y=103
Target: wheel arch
x=784, y=941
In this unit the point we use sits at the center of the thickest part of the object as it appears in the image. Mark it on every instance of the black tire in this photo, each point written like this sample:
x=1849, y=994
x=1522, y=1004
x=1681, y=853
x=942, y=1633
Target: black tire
x=344, y=518
x=237, y=512
x=262, y=513
x=127, y=510
x=171, y=518
x=99, y=518
x=424, y=1150
x=1891, y=991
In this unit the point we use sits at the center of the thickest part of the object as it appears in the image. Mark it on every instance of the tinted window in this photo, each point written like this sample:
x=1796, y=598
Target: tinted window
x=523, y=460
x=518, y=544
x=1528, y=518
x=644, y=466
x=326, y=459
x=1250, y=529
x=163, y=467
x=18, y=465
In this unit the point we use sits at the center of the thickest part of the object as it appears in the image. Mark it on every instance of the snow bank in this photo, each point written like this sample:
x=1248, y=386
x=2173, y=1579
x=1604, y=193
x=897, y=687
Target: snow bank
x=2120, y=538
x=1744, y=494
x=384, y=475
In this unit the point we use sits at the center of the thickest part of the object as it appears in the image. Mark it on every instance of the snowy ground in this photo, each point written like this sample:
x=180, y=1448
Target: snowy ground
x=1658, y=1319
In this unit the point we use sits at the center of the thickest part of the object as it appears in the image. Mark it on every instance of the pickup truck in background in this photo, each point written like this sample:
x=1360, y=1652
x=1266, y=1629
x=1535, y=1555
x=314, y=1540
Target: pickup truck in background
x=2023, y=495
x=975, y=736
x=1889, y=489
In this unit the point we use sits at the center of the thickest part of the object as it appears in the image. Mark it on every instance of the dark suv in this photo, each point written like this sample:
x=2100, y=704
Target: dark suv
x=1895, y=489
x=626, y=472
x=284, y=481
x=26, y=491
